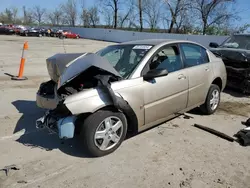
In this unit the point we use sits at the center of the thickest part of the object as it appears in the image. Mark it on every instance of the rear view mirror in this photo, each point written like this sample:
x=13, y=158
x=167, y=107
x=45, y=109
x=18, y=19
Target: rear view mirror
x=213, y=45
x=155, y=73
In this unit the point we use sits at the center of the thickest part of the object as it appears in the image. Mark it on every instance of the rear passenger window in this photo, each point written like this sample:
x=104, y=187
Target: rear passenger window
x=194, y=55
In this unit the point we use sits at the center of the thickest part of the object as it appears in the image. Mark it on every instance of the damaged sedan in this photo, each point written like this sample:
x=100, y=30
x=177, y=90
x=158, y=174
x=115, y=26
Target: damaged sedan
x=235, y=52
x=127, y=88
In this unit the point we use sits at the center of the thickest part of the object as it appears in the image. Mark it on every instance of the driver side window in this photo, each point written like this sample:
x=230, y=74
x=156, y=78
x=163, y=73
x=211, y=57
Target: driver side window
x=167, y=58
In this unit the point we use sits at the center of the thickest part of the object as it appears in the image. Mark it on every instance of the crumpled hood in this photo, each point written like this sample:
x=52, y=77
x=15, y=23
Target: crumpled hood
x=57, y=63
x=83, y=63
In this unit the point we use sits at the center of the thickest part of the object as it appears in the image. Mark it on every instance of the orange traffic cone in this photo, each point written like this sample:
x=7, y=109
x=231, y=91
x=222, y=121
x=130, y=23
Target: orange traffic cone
x=21, y=68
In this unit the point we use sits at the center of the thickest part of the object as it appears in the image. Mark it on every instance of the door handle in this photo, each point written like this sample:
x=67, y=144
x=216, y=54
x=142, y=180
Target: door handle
x=207, y=69
x=182, y=76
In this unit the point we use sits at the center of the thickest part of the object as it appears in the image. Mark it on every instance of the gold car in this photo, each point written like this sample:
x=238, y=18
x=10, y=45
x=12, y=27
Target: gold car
x=127, y=87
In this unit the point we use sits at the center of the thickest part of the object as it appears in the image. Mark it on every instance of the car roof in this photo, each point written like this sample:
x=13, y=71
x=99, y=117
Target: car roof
x=148, y=41
x=155, y=42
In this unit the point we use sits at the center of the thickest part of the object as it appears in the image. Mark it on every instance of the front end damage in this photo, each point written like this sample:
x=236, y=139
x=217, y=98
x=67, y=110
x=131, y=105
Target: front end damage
x=59, y=120
x=237, y=64
x=46, y=96
x=90, y=72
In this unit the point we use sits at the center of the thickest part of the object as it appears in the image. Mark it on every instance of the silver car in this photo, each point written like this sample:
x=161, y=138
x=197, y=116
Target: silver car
x=127, y=88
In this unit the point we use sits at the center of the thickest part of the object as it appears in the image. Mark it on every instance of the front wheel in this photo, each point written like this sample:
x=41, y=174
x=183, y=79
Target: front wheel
x=103, y=132
x=212, y=100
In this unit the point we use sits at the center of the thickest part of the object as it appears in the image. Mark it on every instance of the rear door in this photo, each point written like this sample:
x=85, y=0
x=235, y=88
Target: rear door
x=166, y=95
x=199, y=70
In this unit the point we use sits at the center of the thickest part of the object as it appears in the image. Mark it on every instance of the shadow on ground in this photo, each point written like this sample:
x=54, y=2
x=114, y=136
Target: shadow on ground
x=42, y=139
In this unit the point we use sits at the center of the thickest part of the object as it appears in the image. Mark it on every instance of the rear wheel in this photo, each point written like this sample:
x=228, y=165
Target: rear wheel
x=103, y=132
x=212, y=100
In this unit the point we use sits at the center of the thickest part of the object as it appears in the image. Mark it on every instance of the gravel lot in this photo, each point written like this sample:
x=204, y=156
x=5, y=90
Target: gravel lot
x=174, y=154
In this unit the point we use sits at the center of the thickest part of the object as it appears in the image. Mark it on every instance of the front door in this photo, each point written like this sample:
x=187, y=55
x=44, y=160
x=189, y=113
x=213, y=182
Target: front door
x=199, y=72
x=166, y=95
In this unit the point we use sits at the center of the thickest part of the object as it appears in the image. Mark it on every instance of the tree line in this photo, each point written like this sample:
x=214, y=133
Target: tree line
x=171, y=16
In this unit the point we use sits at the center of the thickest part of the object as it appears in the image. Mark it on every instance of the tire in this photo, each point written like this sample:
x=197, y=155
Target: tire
x=206, y=108
x=94, y=123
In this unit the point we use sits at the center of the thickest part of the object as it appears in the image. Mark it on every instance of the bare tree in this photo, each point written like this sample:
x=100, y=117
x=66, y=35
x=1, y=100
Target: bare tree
x=177, y=9
x=93, y=15
x=70, y=9
x=212, y=12
x=90, y=17
x=38, y=14
x=6, y=16
x=55, y=17
x=82, y=10
x=14, y=11
x=114, y=6
x=185, y=21
x=123, y=18
x=9, y=15
x=51, y=18
x=140, y=14
x=27, y=16
x=107, y=16
x=126, y=17
x=85, y=16
x=58, y=16
x=152, y=11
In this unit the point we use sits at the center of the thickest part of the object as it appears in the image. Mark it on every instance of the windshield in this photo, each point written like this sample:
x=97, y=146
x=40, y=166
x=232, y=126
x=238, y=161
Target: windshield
x=238, y=42
x=124, y=58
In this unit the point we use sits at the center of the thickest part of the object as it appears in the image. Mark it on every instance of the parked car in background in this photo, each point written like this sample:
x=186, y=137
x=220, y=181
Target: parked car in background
x=6, y=30
x=68, y=34
x=235, y=53
x=18, y=29
x=127, y=87
x=54, y=32
x=32, y=32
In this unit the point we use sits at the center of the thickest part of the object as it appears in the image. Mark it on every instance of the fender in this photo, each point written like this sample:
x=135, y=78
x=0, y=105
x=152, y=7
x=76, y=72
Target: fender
x=118, y=102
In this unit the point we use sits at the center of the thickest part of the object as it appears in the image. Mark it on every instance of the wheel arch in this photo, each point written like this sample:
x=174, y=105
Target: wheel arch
x=218, y=81
x=130, y=115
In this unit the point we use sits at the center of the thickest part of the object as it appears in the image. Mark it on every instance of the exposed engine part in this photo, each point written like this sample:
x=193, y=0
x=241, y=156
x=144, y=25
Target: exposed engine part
x=47, y=89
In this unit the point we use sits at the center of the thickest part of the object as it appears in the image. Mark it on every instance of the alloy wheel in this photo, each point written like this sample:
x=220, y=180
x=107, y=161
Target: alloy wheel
x=214, y=101
x=108, y=133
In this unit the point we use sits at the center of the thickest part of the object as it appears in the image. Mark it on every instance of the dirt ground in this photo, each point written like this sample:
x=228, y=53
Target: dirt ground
x=174, y=154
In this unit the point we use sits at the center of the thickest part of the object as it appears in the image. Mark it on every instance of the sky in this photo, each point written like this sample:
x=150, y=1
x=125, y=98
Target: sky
x=243, y=6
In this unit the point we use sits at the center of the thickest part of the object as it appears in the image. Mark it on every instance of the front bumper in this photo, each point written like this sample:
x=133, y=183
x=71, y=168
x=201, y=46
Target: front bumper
x=63, y=126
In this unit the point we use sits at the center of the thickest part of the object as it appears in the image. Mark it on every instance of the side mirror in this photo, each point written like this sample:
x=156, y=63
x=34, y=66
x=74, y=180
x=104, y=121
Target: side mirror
x=213, y=45
x=155, y=73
